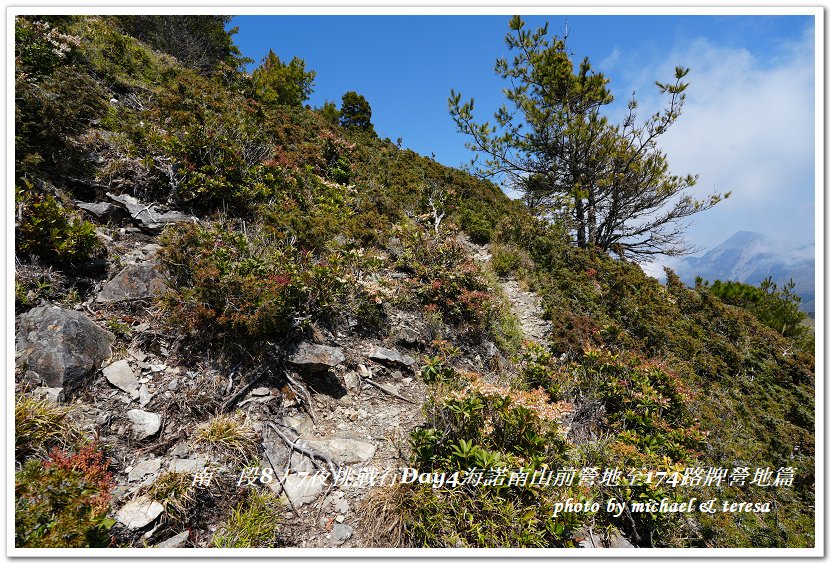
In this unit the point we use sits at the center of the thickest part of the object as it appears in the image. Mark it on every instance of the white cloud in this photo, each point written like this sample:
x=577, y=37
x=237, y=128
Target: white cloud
x=611, y=61
x=747, y=126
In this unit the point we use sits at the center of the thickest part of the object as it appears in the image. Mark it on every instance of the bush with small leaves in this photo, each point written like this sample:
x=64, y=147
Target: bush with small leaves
x=50, y=231
x=63, y=501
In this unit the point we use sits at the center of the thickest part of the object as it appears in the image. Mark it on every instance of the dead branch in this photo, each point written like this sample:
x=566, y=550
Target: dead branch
x=282, y=484
x=308, y=452
x=387, y=390
x=300, y=389
x=233, y=399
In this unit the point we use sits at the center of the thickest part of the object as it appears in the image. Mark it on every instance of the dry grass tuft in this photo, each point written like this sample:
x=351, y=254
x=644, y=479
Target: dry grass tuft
x=229, y=436
x=174, y=490
x=383, y=515
x=39, y=425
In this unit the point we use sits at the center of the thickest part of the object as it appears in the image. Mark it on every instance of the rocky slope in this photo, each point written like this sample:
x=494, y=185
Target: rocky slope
x=141, y=397
x=218, y=290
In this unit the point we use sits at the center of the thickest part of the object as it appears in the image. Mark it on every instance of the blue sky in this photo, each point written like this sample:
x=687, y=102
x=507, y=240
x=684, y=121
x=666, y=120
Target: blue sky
x=748, y=124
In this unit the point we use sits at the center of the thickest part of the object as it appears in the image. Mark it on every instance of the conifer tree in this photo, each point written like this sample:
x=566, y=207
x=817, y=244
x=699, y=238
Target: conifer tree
x=610, y=184
x=355, y=111
x=277, y=83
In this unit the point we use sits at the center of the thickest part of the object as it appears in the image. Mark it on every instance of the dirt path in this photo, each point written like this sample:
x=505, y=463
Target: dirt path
x=526, y=305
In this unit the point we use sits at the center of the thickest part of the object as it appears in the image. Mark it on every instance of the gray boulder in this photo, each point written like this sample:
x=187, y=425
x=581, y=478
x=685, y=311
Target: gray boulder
x=62, y=346
x=136, y=281
x=122, y=376
x=391, y=358
x=316, y=357
x=408, y=337
x=145, y=216
x=340, y=533
x=344, y=450
x=179, y=540
x=143, y=469
x=105, y=212
x=300, y=489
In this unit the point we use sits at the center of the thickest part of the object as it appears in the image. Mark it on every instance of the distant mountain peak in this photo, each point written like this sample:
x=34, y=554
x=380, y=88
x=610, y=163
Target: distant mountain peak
x=751, y=257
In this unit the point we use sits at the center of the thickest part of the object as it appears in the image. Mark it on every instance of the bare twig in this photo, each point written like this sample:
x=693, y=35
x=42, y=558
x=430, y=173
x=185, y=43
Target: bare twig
x=282, y=484
x=232, y=400
x=308, y=452
x=299, y=389
x=387, y=390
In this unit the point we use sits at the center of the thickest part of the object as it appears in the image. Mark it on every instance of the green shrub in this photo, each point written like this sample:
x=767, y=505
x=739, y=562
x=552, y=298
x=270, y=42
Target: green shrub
x=447, y=281
x=40, y=46
x=775, y=307
x=477, y=225
x=225, y=162
x=254, y=522
x=50, y=231
x=487, y=428
x=645, y=412
x=646, y=405
x=63, y=501
x=538, y=368
x=507, y=259
x=254, y=286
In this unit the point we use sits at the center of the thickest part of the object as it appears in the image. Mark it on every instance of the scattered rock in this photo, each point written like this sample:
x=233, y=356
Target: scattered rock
x=54, y=394
x=144, y=396
x=104, y=212
x=316, y=357
x=340, y=533
x=352, y=382
x=301, y=424
x=181, y=449
x=138, y=513
x=145, y=424
x=614, y=540
x=490, y=349
x=62, y=346
x=32, y=378
x=261, y=392
x=336, y=502
x=345, y=450
x=301, y=489
x=145, y=217
x=138, y=355
x=187, y=465
x=179, y=540
x=391, y=357
x=150, y=249
x=136, y=281
x=122, y=376
x=276, y=452
x=148, y=467
x=342, y=506
x=409, y=337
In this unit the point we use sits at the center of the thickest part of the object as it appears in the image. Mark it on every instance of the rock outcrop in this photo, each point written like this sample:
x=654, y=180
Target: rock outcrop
x=60, y=345
x=136, y=281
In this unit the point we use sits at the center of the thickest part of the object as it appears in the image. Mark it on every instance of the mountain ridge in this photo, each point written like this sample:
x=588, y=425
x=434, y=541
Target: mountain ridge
x=751, y=257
